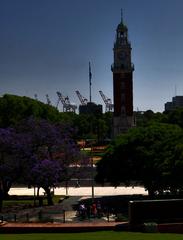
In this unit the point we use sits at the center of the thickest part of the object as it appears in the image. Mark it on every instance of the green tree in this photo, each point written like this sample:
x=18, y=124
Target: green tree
x=13, y=109
x=151, y=156
x=92, y=126
x=175, y=116
x=149, y=117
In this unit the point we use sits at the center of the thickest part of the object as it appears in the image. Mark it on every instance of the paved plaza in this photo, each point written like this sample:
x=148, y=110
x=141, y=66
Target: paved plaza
x=83, y=191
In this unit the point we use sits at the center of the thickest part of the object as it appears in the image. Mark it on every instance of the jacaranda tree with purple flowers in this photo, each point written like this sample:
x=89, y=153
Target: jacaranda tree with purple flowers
x=51, y=153
x=42, y=154
x=46, y=174
x=8, y=163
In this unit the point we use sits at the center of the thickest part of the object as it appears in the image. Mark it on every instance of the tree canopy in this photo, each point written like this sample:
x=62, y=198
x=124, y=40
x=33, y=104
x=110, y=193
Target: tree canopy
x=151, y=156
x=14, y=109
x=38, y=153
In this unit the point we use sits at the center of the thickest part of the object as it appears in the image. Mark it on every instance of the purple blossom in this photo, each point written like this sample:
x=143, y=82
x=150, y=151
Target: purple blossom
x=40, y=152
x=46, y=173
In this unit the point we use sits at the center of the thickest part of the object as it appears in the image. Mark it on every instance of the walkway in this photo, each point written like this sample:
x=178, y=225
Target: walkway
x=55, y=227
x=84, y=191
x=72, y=222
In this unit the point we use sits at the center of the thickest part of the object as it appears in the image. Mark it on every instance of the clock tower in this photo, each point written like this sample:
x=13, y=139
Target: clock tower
x=122, y=69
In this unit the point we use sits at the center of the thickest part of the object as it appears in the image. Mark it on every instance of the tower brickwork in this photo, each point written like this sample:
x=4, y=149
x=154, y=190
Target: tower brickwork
x=122, y=69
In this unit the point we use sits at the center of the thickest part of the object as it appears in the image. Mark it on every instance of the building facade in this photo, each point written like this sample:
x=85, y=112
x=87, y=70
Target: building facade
x=90, y=108
x=177, y=102
x=122, y=69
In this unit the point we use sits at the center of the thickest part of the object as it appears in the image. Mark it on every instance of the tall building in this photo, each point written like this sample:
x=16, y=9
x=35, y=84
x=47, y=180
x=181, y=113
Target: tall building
x=177, y=102
x=122, y=69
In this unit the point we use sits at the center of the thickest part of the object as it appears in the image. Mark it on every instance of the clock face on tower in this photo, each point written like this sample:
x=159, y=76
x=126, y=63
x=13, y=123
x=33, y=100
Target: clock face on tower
x=121, y=56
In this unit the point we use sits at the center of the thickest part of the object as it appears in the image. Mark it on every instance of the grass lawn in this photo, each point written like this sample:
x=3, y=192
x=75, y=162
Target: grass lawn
x=10, y=203
x=93, y=236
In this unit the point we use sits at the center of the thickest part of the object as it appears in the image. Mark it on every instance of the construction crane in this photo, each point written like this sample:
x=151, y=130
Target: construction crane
x=67, y=106
x=48, y=99
x=82, y=99
x=108, y=103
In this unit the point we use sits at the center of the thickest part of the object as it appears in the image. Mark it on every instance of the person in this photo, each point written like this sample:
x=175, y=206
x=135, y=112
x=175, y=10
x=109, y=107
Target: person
x=94, y=210
x=77, y=183
x=82, y=210
x=99, y=209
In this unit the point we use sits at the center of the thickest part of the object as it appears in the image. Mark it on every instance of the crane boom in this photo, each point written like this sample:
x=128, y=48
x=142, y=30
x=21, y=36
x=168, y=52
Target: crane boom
x=67, y=106
x=108, y=103
x=82, y=99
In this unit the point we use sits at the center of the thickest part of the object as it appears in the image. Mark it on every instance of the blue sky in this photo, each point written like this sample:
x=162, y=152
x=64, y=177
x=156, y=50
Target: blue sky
x=45, y=46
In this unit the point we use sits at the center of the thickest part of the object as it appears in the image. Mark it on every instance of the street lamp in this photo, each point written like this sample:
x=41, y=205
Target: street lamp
x=92, y=174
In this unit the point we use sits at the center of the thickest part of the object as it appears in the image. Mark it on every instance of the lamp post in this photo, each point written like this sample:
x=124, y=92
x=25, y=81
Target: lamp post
x=92, y=174
x=34, y=196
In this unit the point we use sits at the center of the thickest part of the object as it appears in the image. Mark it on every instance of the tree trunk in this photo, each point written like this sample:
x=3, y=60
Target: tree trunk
x=49, y=196
x=66, y=187
x=1, y=201
x=6, y=187
x=38, y=191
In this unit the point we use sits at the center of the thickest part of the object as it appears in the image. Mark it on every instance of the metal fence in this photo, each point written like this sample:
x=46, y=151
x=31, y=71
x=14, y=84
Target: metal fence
x=39, y=216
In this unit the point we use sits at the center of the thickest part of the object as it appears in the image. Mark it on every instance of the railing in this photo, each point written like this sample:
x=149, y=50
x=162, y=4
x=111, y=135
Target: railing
x=43, y=216
x=38, y=216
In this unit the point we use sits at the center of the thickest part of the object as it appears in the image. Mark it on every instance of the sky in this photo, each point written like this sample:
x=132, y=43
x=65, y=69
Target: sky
x=46, y=46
